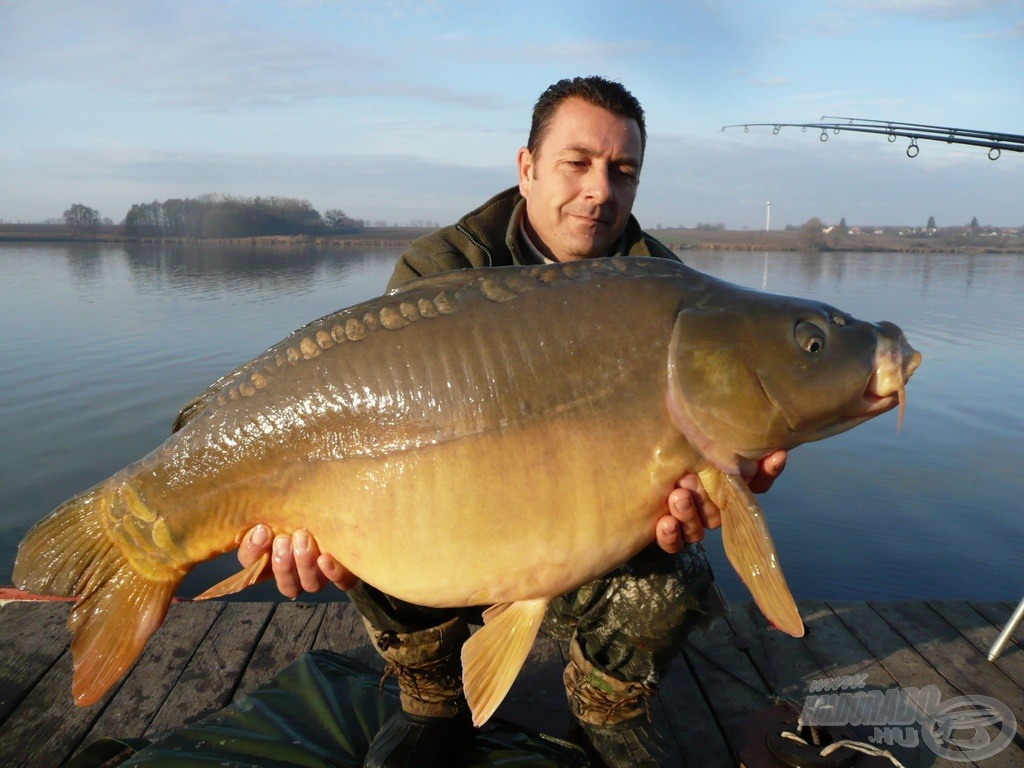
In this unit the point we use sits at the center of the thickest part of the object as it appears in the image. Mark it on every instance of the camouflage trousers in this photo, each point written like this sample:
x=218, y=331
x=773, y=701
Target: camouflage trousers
x=630, y=623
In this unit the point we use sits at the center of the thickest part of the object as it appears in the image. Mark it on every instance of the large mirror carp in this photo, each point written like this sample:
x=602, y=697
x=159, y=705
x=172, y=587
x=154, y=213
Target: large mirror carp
x=520, y=428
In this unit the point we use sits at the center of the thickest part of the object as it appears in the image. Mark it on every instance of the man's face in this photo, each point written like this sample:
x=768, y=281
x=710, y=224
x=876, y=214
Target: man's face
x=581, y=183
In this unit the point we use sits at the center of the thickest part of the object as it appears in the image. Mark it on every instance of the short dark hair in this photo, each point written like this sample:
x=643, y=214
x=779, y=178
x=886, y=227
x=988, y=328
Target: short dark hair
x=595, y=90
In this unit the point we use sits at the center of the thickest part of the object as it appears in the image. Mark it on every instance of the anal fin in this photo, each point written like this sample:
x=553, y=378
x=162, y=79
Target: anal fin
x=751, y=551
x=493, y=656
x=237, y=581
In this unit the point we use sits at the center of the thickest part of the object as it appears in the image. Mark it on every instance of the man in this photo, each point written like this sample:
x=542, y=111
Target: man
x=578, y=178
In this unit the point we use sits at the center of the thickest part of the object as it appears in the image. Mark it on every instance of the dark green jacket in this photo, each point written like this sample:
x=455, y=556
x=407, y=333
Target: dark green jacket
x=489, y=237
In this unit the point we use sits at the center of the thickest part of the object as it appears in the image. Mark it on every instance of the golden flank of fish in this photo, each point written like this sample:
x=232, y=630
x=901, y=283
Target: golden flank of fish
x=521, y=426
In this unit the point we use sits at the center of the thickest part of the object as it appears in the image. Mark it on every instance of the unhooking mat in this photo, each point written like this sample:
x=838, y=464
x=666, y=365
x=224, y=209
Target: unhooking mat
x=322, y=711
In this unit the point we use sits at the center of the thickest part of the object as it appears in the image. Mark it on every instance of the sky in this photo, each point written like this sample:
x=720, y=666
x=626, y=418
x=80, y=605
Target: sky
x=413, y=111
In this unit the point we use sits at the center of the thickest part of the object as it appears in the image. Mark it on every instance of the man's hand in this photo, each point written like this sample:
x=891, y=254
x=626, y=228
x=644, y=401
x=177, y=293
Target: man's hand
x=298, y=566
x=691, y=512
x=295, y=563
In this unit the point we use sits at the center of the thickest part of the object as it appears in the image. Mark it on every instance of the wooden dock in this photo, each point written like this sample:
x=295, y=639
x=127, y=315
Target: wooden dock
x=718, y=702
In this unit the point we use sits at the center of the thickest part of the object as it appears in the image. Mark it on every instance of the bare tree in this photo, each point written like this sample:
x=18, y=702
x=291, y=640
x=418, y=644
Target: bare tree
x=82, y=219
x=339, y=222
x=812, y=234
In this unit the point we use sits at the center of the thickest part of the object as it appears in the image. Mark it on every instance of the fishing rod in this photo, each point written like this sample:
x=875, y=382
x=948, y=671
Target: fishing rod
x=995, y=142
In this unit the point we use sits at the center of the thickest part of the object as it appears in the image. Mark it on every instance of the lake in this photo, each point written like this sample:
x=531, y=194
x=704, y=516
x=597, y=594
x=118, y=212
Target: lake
x=102, y=344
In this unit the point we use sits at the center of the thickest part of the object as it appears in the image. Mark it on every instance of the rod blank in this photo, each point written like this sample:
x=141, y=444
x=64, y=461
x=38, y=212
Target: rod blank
x=996, y=142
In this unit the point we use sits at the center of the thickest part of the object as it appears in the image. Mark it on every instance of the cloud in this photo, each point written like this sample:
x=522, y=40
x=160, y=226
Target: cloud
x=1010, y=32
x=210, y=56
x=772, y=82
x=924, y=9
x=577, y=51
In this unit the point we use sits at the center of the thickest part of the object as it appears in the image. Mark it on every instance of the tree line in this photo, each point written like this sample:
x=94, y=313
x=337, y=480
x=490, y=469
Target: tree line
x=220, y=216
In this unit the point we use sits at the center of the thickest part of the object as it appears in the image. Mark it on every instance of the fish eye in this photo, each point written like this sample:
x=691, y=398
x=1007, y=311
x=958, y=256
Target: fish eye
x=810, y=337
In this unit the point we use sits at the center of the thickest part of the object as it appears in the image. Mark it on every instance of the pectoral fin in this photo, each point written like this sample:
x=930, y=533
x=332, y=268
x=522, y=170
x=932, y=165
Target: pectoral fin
x=749, y=547
x=493, y=656
x=238, y=581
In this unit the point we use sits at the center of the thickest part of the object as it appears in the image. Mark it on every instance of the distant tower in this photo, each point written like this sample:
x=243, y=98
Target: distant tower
x=768, y=217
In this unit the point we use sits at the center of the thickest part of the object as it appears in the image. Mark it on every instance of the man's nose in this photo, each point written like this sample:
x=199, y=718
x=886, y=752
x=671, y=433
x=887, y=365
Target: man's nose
x=599, y=185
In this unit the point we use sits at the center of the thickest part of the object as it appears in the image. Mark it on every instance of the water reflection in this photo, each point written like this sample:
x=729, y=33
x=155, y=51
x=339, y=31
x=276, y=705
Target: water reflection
x=84, y=261
x=211, y=268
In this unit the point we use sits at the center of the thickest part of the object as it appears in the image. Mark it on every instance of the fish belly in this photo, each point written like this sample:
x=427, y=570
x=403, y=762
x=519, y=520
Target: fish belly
x=525, y=511
x=517, y=514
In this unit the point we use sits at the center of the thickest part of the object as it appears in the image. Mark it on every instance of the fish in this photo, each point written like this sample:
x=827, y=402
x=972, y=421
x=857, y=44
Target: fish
x=484, y=437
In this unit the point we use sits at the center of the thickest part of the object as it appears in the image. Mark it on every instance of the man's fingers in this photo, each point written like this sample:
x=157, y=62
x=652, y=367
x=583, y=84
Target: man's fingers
x=336, y=573
x=774, y=463
x=769, y=468
x=684, y=511
x=692, y=506
x=283, y=564
x=253, y=546
x=669, y=534
x=691, y=513
x=306, y=552
x=296, y=562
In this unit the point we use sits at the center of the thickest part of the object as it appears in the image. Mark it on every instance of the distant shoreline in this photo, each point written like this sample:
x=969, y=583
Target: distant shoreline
x=678, y=239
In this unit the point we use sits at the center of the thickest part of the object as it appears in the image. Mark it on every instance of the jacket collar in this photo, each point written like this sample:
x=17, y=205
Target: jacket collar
x=498, y=221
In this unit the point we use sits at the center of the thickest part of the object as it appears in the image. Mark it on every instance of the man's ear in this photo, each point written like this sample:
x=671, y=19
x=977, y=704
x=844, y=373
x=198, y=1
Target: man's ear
x=525, y=163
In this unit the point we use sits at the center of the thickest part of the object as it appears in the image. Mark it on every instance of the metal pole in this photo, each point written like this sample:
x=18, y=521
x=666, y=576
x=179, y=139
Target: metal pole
x=1004, y=636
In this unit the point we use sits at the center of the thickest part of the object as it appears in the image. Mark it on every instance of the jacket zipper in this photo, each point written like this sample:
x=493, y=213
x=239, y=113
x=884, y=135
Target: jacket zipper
x=477, y=243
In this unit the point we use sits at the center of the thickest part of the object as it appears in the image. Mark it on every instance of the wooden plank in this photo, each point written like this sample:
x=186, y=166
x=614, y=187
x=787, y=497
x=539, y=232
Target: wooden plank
x=998, y=614
x=291, y=631
x=48, y=703
x=899, y=657
x=837, y=649
x=130, y=712
x=33, y=636
x=844, y=656
x=782, y=661
x=788, y=667
x=901, y=660
x=956, y=659
x=981, y=633
x=214, y=672
x=702, y=744
x=343, y=631
x=729, y=682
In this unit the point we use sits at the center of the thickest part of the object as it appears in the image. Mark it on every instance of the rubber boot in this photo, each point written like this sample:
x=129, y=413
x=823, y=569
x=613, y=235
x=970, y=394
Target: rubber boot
x=613, y=714
x=434, y=720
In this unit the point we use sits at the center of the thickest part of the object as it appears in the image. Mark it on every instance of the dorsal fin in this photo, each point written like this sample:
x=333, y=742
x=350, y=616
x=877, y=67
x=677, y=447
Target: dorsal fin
x=199, y=403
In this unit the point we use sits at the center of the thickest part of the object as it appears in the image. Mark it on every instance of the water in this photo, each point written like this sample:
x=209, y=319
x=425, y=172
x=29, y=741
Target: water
x=101, y=345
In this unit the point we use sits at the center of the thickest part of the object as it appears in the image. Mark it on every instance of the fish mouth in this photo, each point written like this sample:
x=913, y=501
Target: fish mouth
x=895, y=362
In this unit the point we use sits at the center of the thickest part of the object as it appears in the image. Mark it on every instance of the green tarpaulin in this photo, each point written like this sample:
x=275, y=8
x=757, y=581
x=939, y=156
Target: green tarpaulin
x=320, y=712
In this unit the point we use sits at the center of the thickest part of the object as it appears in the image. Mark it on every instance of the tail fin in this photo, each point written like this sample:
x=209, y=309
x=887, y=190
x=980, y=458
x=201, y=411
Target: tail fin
x=71, y=554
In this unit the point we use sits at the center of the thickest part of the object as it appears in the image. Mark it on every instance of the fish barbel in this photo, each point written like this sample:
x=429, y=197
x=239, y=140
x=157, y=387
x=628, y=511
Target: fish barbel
x=521, y=426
